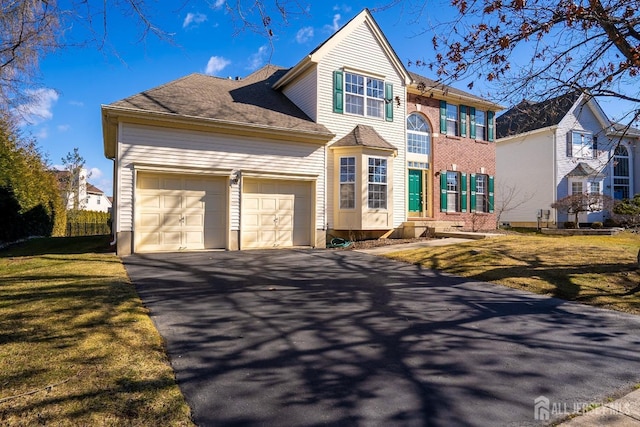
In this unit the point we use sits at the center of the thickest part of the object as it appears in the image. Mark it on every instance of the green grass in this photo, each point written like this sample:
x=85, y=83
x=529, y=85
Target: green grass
x=596, y=270
x=76, y=345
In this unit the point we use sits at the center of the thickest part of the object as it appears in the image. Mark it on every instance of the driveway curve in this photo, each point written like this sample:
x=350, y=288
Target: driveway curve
x=322, y=337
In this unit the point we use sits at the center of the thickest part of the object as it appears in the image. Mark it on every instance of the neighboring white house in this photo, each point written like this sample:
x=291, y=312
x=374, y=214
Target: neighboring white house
x=281, y=158
x=80, y=194
x=566, y=145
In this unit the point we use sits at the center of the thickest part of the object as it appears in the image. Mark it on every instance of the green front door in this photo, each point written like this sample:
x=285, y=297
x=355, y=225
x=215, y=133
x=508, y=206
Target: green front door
x=415, y=190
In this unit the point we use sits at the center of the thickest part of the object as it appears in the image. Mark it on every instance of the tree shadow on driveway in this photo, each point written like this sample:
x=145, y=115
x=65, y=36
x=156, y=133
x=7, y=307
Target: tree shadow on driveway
x=317, y=337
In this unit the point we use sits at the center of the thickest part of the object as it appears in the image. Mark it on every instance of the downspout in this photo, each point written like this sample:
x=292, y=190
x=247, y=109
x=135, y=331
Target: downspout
x=115, y=187
x=555, y=173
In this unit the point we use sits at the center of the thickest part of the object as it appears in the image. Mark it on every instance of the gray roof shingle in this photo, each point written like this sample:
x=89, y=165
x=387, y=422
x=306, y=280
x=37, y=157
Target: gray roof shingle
x=364, y=136
x=250, y=101
x=528, y=116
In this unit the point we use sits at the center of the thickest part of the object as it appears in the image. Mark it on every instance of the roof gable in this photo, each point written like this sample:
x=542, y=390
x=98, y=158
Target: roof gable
x=319, y=53
x=364, y=136
x=528, y=116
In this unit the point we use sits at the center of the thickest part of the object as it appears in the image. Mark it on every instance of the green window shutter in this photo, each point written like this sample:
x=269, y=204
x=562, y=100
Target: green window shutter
x=443, y=191
x=388, y=95
x=463, y=192
x=443, y=117
x=472, y=123
x=490, y=193
x=472, y=198
x=338, y=92
x=490, y=120
x=463, y=120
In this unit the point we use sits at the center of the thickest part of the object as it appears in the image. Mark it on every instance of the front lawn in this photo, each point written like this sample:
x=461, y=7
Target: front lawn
x=76, y=345
x=595, y=270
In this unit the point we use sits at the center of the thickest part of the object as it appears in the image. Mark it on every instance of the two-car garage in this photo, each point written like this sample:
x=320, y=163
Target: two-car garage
x=176, y=212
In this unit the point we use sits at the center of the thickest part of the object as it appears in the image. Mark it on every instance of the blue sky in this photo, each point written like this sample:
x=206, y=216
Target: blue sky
x=76, y=81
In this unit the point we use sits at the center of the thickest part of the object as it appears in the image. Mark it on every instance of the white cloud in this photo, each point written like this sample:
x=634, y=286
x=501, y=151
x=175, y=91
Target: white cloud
x=76, y=103
x=194, y=18
x=95, y=173
x=216, y=64
x=63, y=128
x=335, y=25
x=39, y=108
x=304, y=34
x=257, y=59
x=342, y=8
x=43, y=133
x=218, y=4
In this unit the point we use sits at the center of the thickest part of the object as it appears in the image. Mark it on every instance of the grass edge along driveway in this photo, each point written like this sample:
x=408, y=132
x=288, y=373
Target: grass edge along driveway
x=76, y=345
x=597, y=270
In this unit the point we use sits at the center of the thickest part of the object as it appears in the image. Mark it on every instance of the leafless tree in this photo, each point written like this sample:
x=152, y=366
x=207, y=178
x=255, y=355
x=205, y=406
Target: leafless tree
x=575, y=204
x=508, y=199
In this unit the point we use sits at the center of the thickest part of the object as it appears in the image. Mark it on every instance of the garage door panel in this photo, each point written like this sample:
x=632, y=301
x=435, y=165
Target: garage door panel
x=273, y=215
x=176, y=212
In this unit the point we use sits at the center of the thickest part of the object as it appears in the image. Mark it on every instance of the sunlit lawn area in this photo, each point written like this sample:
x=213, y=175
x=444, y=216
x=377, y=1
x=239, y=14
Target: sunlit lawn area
x=595, y=270
x=76, y=345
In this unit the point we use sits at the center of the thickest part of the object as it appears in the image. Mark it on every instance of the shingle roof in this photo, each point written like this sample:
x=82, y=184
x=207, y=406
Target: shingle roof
x=430, y=83
x=93, y=189
x=584, y=170
x=528, y=116
x=249, y=101
x=365, y=136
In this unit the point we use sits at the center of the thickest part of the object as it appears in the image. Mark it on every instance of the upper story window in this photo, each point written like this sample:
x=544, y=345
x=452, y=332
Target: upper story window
x=481, y=125
x=621, y=176
x=581, y=145
x=418, y=135
x=347, y=182
x=364, y=96
x=453, y=127
x=377, y=198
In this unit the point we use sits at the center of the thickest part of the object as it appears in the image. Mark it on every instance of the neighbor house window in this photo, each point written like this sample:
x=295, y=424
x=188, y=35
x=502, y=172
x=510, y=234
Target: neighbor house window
x=98, y=200
x=364, y=96
x=452, y=120
x=582, y=145
x=481, y=125
x=418, y=135
x=377, y=183
x=453, y=191
x=347, y=182
x=621, y=177
x=576, y=188
x=482, y=201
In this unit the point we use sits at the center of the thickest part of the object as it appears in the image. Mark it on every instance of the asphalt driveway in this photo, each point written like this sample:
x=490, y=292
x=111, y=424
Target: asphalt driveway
x=321, y=337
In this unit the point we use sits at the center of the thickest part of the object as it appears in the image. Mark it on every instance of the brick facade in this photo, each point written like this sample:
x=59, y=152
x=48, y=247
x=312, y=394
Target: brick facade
x=468, y=155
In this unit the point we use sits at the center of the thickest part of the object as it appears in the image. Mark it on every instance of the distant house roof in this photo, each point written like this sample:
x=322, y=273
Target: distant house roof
x=93, y=189
x=249, y=101
x=528, y=116
x=364, y=136
x=583, y=170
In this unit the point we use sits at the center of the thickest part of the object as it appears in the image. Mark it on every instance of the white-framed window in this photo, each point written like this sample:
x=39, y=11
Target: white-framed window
x=347, y=182
x=418, y=134
x=364, y=96
x=582, y=145
x=377, y=197
x=621, y=175
x=482, y=201
x=97, y=200
x=452, y=120
x=576, y=187
x=453, y=191
x=481, y=125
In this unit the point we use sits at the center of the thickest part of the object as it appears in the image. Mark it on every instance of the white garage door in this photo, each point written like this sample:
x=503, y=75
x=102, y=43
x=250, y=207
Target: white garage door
x=276, y=213
x=175, y=212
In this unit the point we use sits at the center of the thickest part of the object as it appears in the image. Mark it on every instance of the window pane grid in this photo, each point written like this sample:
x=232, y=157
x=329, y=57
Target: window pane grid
x=452, y=192
x=347, y=182
x=452, y=119
x=582, y=145
x=481, y=125
x=369, y=102
x=377, y=197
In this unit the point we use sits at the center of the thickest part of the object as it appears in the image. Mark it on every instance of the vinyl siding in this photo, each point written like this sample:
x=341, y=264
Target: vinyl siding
x=164, y=147
x=303, y=93
x=360, y=50
x=525, y=164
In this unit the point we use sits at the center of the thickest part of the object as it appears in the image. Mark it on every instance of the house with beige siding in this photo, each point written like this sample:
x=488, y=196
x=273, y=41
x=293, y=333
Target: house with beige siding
x=289, y=157
x=558, y=147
